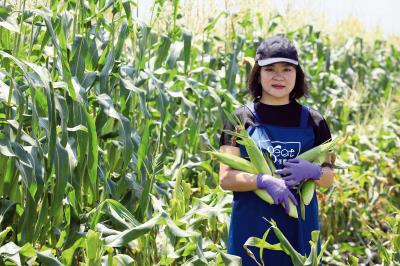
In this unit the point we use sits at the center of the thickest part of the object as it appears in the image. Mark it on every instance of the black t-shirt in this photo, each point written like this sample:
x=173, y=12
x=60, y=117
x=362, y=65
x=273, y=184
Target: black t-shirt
x=287, y=115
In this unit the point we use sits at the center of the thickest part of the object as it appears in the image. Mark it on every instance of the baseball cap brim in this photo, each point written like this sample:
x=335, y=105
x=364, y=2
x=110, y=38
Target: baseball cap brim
x=269, y=61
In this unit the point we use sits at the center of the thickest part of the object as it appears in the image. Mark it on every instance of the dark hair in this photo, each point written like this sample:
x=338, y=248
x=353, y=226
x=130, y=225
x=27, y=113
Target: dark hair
x=255, y=88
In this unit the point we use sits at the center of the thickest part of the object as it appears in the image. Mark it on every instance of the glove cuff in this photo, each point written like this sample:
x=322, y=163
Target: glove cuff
x=260, y=183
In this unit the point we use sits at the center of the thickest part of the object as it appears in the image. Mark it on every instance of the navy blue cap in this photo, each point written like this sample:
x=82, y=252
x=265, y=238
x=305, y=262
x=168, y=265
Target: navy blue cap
x=276, y=49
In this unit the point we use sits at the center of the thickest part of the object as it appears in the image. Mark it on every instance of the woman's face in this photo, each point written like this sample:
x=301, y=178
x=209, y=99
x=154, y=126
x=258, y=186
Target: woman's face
x=277, y=81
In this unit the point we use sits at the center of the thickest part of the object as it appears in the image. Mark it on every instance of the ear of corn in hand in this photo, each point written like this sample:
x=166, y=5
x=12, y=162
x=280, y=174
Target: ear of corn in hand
x=238, y=163
x=317, y=155
x=233, y=161
x=259, y=163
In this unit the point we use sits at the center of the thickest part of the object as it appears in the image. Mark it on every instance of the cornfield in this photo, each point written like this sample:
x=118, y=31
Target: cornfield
x=104, y=120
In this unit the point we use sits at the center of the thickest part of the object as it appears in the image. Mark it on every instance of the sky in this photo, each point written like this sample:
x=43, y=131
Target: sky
x=372, y=13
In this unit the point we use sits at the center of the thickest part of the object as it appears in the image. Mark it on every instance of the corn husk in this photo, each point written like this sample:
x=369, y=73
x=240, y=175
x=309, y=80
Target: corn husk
x=317, y=155
x=261, y=165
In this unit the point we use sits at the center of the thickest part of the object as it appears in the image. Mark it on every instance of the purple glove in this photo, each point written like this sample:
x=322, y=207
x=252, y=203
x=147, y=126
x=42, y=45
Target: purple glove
x=277, y=188
x=297, y=170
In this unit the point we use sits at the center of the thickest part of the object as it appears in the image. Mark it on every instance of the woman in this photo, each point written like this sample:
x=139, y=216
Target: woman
x=279, y=124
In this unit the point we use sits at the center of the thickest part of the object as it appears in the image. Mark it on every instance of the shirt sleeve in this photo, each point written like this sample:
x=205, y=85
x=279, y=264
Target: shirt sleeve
x=225, y=138
x=322, y=133
x=243, y=115
x=321, y=129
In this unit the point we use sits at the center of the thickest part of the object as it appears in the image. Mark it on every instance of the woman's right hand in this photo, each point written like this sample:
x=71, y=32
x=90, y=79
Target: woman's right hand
x=277, y=188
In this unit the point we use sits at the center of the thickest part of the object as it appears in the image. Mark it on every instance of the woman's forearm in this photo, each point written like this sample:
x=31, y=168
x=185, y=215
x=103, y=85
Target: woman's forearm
x=327, y=177
x=235, y=180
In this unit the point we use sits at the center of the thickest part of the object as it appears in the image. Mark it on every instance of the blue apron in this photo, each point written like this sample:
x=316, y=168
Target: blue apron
x=248, y=209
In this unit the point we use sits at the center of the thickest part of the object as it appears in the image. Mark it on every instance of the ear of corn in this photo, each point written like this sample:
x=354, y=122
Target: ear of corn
x=307, y=191
x=261, y=164
x=316, y=154
x=255, y=154
x=264, y=195
x=257, y=158
x=233, y=161
x=244, y=165
x=240, y=164
x=257, y=161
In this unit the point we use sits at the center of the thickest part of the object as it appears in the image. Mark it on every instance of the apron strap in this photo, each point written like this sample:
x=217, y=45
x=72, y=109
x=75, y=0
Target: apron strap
x=305, y=113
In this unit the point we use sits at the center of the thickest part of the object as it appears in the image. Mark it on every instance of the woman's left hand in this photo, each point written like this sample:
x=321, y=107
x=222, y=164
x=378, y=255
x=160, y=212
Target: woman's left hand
x=296, y=170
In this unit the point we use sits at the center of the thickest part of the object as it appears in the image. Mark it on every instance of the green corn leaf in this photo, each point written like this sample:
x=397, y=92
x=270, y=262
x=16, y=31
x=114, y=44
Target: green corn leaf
x=116, y=210
x=143, y=40
x=62, y=176
x=11, y=252
x=187, y=46
x=5, y=148
x=175, y=230
x=106, y=71
x=20, y=64
x=122, y=259
x=27, y=250
x=307, y=191
x=8, y=21
x=261, y=244
x=61, y=47
x=130, y=234
x=162, y=52
x=174, y=53
x=4, y=233
x=297, y=259
x=232, y=260
x=68, y=254
x=92, y=153
x=312, y=259
x=79, y=52
x=47, y=258
x=42, y=224
x=93, y=246
x=122, y=35
x=144, y=146
x=211, y=25
x=323, y=248
x=124, y=126
x=25, y=167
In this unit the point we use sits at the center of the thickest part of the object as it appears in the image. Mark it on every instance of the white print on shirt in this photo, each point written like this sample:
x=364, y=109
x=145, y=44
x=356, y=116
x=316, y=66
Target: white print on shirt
x=280, y=151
